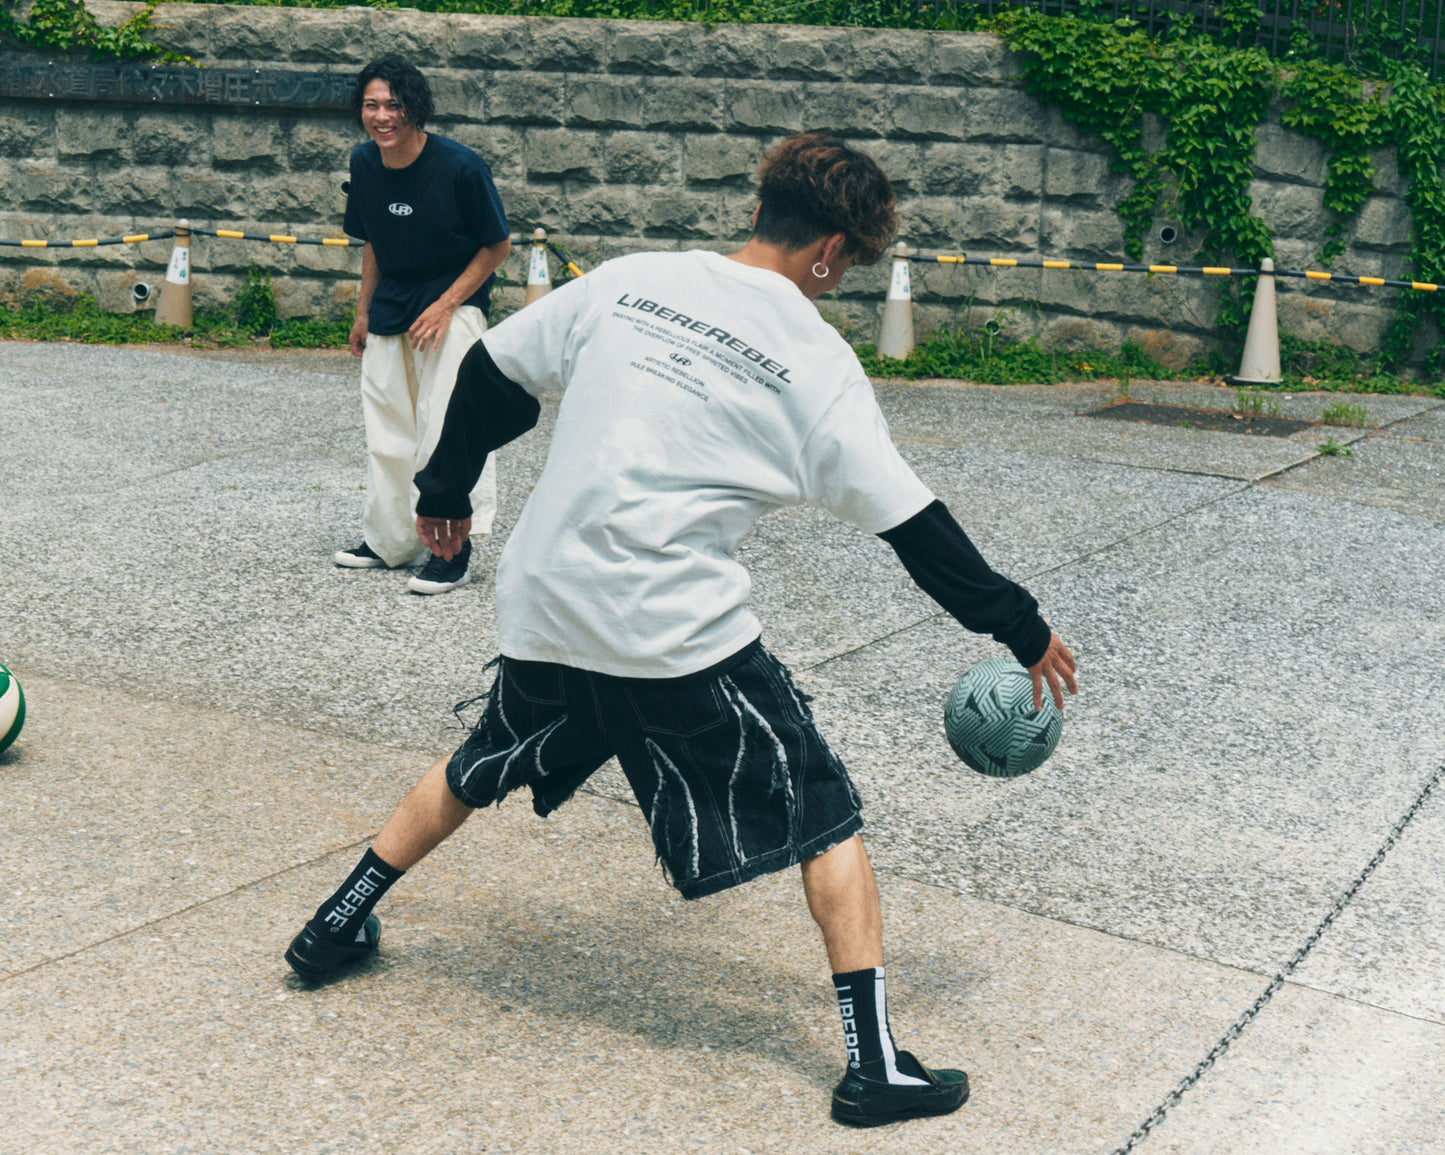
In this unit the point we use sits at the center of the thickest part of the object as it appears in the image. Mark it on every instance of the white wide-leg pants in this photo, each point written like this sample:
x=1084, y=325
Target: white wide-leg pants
x=404, y=396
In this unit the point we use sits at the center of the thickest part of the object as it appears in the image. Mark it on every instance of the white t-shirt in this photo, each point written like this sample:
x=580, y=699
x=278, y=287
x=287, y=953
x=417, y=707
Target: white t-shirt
x=698, y=394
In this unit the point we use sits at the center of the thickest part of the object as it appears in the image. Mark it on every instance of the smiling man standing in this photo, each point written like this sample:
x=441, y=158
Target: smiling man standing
x=435, y=234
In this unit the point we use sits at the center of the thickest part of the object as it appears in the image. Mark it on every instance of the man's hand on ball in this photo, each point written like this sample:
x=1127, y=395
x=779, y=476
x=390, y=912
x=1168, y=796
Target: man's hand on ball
x=1055, y=666
x=442, y=535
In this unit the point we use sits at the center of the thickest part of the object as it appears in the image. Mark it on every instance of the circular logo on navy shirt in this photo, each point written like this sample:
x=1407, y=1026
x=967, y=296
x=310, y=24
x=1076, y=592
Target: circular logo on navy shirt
x=399, y=209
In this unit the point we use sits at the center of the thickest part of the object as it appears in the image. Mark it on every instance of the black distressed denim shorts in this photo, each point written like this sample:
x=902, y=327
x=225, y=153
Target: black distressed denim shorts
x=730, y=771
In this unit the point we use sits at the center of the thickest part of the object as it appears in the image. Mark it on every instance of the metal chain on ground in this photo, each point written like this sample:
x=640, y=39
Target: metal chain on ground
x=1174, y=1096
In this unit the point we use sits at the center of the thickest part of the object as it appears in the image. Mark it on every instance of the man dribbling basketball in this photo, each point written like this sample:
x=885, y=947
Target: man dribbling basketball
x=699, y=392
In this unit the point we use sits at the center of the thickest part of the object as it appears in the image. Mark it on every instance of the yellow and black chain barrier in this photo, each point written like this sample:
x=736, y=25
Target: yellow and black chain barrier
x=277, y=238
x=941, y=259
x=235, y=235
x=562, y=255
x=1181, y=270
x=133, y=239
x=190, y=230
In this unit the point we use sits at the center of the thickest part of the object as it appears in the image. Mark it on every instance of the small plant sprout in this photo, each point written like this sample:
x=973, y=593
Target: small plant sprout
x=1255, y=403
x=256, y=302
x=1350, y=416
x=1332, y=448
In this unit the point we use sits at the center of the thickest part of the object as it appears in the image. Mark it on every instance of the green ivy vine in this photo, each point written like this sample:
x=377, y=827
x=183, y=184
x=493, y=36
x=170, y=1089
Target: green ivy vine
x=1339, y=109
x=1108, y=77
x=1417, y=126
x=66, y=25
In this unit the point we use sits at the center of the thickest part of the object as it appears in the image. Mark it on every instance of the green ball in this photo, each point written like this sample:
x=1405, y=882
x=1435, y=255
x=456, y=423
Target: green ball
x=991, y=722
x=12, y=708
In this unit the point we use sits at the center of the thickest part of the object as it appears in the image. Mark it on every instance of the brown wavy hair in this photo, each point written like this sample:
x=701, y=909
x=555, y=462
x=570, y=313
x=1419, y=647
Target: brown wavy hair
x=813, y=186
x=408, y=88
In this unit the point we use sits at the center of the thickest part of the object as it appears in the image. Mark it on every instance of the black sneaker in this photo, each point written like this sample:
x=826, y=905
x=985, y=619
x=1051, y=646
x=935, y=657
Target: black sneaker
x=440, y=575
x=316, y=956
x=860, y=1102
x=359, y=557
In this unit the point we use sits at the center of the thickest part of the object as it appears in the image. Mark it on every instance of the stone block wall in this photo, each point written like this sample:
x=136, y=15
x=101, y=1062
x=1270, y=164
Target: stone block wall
x=618, y=136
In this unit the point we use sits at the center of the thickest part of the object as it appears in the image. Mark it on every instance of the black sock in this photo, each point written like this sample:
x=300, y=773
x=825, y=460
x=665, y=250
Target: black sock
x=863, y=1001
x=343, y=914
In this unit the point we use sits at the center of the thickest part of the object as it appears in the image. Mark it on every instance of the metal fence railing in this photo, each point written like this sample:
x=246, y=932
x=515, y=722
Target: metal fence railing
x=1363, y=32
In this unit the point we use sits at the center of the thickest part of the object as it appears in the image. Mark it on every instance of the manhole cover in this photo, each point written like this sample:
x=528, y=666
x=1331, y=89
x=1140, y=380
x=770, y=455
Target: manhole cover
x=1185, y=417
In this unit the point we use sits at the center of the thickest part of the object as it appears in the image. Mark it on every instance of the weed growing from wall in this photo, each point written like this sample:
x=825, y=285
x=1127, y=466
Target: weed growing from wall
x=256, y=302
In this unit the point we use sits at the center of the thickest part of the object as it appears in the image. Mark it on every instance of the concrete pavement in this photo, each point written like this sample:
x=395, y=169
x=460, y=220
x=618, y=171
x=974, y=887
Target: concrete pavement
x=220, y=720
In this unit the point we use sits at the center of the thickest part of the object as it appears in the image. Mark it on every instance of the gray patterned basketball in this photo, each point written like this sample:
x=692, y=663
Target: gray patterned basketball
x=991, y=723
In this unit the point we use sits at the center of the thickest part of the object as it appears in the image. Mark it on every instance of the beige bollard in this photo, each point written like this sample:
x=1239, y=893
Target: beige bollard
x=1260, y=363
x=174, y=307
x=539, y=277
x=895, y=339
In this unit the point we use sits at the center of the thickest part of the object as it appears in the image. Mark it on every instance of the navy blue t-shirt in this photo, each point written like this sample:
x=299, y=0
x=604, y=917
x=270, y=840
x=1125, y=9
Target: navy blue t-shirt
x=425, y=223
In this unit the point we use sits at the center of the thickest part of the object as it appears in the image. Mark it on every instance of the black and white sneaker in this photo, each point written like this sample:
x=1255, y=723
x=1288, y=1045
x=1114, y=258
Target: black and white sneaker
x=440, y=575
x=862, y=1102
x=359, y=557
x=315, y=956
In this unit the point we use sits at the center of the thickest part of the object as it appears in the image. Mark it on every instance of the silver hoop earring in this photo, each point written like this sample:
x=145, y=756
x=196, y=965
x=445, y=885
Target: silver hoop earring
x=825, y=271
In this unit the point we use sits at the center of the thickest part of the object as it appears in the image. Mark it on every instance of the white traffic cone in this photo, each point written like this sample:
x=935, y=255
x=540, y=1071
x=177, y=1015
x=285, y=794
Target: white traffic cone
x=895, y=339
x=1260, y=363
x=539, y=277
x=174, y=307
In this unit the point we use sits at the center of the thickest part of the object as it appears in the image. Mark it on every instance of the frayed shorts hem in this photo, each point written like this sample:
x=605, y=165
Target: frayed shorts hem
x=770, y=863
x=728, y=769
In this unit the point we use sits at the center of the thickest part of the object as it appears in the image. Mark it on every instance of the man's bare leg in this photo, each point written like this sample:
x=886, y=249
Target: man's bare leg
x=843, y=900
x=881, y=1083
x=427, y=816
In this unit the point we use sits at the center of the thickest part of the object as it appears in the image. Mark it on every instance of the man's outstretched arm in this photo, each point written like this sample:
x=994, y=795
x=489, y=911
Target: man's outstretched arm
x=948, y=567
